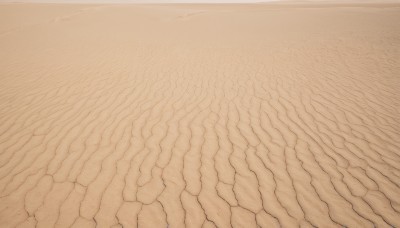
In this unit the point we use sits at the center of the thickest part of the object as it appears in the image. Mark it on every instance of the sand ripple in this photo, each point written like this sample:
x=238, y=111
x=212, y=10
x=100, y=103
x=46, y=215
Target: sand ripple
x=161, y=116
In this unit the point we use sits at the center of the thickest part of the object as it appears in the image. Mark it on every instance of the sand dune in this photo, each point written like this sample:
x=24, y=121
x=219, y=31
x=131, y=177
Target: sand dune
x=199, y=115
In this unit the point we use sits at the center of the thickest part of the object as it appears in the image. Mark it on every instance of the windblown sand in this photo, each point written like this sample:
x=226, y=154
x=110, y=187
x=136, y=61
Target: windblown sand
x=199, y=115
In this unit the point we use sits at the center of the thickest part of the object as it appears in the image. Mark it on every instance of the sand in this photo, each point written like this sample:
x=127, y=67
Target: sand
x=264, y=115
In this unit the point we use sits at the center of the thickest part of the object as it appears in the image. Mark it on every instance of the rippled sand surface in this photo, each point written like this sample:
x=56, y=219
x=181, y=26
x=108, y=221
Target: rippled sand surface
x=199, y=115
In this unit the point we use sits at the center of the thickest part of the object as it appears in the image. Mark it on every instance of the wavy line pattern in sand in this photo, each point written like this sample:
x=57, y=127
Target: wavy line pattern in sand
x=108, y=121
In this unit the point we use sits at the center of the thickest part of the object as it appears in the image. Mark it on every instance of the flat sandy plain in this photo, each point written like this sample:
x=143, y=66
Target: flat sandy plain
x=264, y=115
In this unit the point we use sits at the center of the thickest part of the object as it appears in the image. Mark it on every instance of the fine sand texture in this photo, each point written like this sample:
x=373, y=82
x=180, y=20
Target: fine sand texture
x=263, y=115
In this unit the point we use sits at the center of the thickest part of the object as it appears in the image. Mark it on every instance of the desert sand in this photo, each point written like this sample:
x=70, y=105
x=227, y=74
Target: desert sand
x=257, y=115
